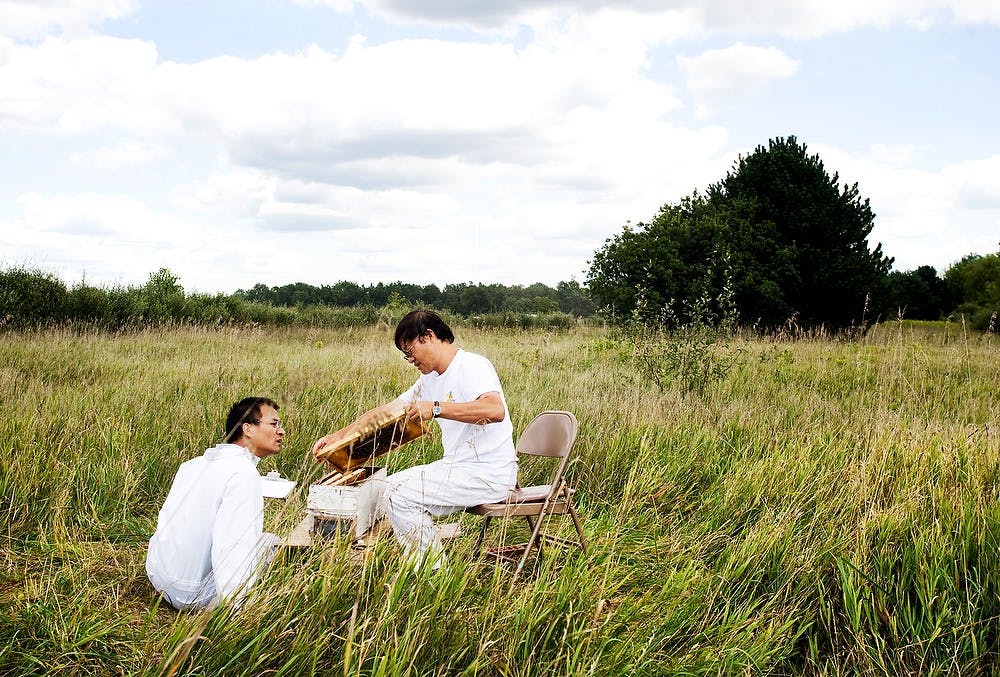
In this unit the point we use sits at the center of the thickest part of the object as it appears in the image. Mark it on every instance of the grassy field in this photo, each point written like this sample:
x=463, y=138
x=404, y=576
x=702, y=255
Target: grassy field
x=825, y=508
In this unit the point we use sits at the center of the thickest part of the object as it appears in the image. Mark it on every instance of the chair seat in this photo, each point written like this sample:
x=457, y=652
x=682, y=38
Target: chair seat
x=523, y=501
x=537, y=492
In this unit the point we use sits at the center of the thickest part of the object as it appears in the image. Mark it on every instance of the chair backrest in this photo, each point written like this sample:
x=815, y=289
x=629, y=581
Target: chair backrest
x=551, y=433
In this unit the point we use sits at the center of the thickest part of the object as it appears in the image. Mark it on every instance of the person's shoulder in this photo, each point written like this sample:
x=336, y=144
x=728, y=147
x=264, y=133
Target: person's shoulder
x=233, y=456
x=191, y=467
x=474, y=363
x=243, y=473
x=473, y=358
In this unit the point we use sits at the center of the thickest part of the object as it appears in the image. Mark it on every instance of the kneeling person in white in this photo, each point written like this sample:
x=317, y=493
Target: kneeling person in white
x=209, y=541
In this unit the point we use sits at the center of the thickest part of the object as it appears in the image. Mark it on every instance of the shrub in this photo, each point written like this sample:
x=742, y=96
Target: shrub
x=30, y=298
x=688, y=348
x=512, y=320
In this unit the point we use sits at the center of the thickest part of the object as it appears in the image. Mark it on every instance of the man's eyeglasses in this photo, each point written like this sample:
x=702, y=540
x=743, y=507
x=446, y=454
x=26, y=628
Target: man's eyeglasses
x=276, y=424
x=407, y=350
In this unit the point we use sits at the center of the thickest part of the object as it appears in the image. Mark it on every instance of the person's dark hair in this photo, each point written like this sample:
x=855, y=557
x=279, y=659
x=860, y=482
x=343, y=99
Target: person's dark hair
x=246, y=410
x=416, y=323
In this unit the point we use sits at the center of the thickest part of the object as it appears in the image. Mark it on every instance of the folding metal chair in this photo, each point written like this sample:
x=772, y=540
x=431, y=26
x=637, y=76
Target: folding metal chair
x=551, y=434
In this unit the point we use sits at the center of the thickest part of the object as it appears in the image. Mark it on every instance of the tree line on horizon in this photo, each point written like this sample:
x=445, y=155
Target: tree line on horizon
x=32, y=298
x=778, y=240
x=463, y=298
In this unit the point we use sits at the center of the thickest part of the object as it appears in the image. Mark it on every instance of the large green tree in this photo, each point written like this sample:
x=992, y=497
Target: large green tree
x=803, y=235
x=787, y=238
x=974, y=283
x=678, y=257
x=917, y=294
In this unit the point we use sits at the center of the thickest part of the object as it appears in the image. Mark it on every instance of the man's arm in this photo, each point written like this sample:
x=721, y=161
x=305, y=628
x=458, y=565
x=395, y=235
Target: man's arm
x=487, y=408
x=236, y=536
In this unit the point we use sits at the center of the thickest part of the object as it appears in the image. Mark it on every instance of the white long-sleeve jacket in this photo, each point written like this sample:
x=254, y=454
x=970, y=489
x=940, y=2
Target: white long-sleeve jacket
x=209, y=536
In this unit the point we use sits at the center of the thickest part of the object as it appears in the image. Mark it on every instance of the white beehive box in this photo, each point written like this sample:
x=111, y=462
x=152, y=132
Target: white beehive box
x=354, y=507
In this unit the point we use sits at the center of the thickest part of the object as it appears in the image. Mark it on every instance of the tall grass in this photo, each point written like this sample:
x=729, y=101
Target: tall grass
x=824, y=508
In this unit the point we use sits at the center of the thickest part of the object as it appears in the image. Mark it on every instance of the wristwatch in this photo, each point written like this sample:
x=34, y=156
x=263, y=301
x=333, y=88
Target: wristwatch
x=436, y=409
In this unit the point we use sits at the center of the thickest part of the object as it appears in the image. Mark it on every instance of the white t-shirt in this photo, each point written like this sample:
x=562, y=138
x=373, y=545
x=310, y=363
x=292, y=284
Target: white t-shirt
x=490, y=445
x=209, y=534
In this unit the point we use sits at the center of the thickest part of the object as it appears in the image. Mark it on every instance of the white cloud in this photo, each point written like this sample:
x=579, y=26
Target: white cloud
x=404, y=95
x=506, y=157
x=115, y=239
x=35, y=18
x=790, y=18
x=976, y=11
x=978, y=183
x=30, y=19
x=408, y=113
x=342, y=208
x=124, y=155
x=808, y=18
x=101, y=214
x=924, y=217
x=69, y=86
x=405, y=146
x=337, y=5
x=737, y=69
x=238, y=192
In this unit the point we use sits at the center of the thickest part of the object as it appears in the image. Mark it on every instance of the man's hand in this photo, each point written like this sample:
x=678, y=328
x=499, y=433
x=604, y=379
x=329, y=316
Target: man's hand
x=419, y=411
x=323, y=442
x=332, y=438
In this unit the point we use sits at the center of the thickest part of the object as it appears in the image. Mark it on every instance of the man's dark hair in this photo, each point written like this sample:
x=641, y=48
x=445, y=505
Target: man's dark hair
x=246, y=410
x=417, y=323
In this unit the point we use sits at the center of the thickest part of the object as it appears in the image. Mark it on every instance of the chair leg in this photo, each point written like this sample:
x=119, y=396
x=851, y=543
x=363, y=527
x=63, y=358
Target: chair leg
x=531, y=527
x=531, y=542
x=579, y=529
x=482, y=535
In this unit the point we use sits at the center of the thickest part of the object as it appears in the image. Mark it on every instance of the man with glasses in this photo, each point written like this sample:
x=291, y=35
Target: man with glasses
x=461, y=391
x=209, y=542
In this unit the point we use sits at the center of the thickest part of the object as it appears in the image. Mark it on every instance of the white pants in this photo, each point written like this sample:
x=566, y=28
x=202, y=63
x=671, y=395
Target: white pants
x=412, y=497
x=182, y=600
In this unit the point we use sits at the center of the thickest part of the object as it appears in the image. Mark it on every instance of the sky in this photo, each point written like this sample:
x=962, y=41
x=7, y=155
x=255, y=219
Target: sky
x=450, y=141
